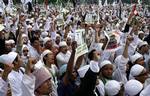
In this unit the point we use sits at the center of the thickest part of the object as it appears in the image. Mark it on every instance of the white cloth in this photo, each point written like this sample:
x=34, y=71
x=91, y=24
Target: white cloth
x=120, y=72
x=101, y=88
x=63, y=58
x=146, y=60
x=33, y=52
x=39, y=64
x=3, y=87
x=15, y=79
x=28, y=85
x=114, y=89
x=133, y=87
x=145, y=91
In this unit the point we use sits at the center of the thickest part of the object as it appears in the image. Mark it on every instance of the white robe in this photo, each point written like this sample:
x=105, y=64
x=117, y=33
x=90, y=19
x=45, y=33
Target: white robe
x=33, y=52
x=63, y=58
x=120, y=72
x=15, y=79
x=3, y=87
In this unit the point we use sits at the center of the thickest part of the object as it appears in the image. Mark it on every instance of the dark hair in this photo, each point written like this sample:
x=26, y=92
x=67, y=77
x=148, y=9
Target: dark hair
x=34, y=39
x=91, y=54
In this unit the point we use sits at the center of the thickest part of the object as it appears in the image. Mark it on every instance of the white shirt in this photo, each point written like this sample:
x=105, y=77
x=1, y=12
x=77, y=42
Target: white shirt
x=33, y=52
x=62, y=58
x=3, y=87
x=15, y=79
x=120, y=72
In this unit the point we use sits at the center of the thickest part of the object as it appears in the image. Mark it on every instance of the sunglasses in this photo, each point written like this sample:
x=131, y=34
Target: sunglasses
x=25, y=50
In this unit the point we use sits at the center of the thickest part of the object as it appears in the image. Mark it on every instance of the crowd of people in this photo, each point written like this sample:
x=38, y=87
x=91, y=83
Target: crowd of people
x=38, y=50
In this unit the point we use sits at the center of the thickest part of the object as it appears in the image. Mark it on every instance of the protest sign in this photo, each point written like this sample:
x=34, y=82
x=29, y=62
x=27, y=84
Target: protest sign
x=81, y=50
x=79, y=33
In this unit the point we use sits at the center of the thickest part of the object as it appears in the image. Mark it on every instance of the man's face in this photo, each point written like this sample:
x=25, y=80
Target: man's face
x=140, y=61
x=68, y=41
x=50, y=58
x=25, y=51
x=8, y=47
x=64, y=49
x=36, y=43
x=107, y=71
x=145, y=48
x=45, y=88
x=49, y=44
x=143, y=76
x=57, y=39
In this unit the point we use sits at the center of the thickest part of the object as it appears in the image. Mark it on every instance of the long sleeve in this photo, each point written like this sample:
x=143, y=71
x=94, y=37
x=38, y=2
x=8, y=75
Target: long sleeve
x=3, y=87
x=120, y=72
x=15, y=79
x=28, y=85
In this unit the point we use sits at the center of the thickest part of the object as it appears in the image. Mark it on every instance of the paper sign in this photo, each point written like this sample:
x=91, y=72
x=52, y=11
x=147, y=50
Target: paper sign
x=89, y=19
x=79, y=33
x=81, y=50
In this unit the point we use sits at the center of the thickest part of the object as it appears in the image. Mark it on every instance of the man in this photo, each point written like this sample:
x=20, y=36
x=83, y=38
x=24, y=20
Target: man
x=143, y=48
x=64, y=55
x=35, y=49
x=12, y=60
x=48, y=44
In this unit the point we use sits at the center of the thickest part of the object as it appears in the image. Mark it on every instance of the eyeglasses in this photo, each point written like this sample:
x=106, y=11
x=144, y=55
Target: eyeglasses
x=25, y=50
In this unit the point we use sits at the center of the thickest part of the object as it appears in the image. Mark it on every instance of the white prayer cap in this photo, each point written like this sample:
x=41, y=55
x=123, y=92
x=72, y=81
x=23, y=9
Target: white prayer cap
x=44, y=34
x=7, y=42
x=107, y=14
x=1, y=27
x=12, y=56
x=142, y=44
x=140, y=32
x=29, y=26
x=46, y=39
x=11, y=41
x=136, y=70
x=62, y=43
x=133, y=87
x=135, y=57
x=69, y=37
x=25, y=46
x=62, y=69
x=57, y=35
x=31, y=21
x=112, y=87
x=27, y=19
x=82, y=71
x=105, y=62
x=4, y=59
x=22, y=14
x=41, y=76
x=24, y=35
x=45, y=53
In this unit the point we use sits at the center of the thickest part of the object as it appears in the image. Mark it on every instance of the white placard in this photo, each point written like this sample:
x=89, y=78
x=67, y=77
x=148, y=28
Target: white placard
x=79, y=36
x=81, y=50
